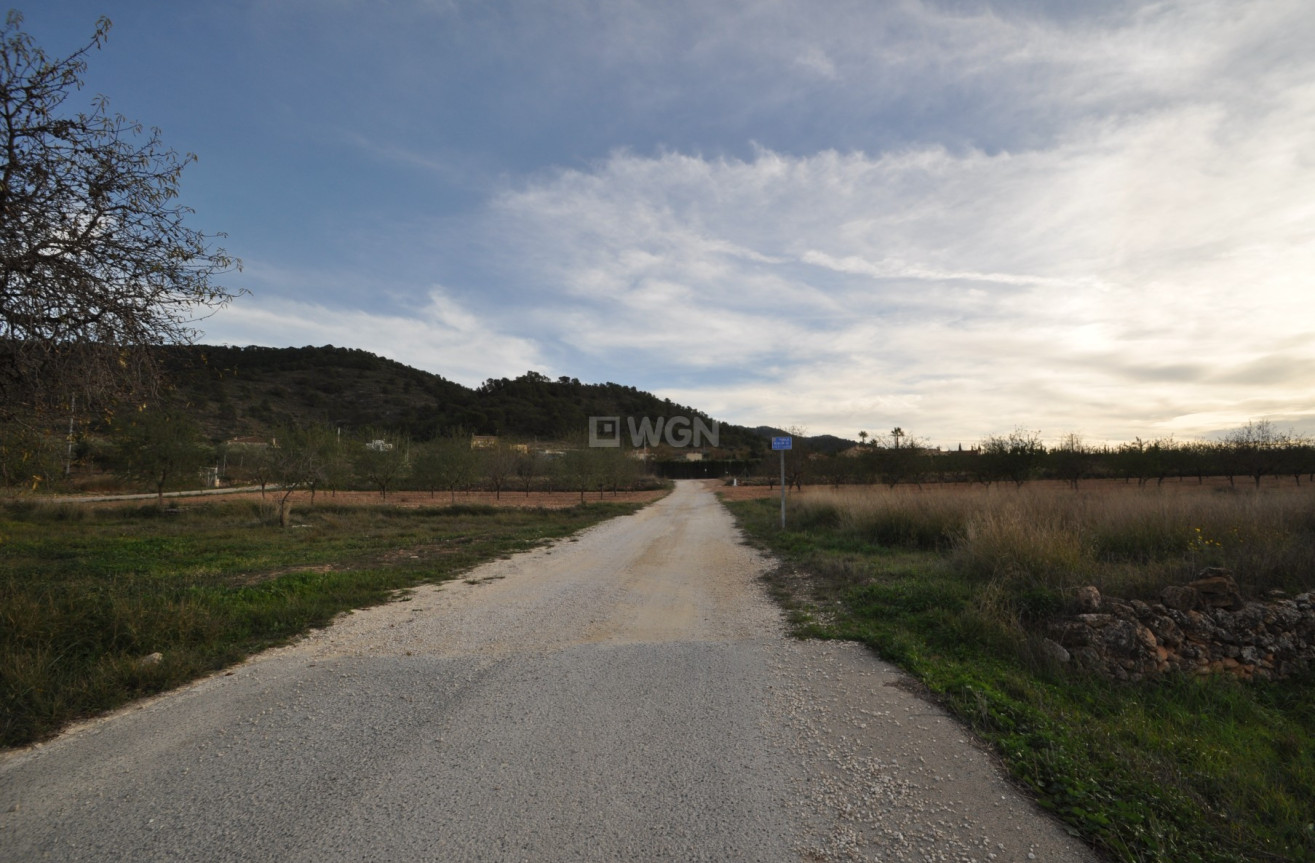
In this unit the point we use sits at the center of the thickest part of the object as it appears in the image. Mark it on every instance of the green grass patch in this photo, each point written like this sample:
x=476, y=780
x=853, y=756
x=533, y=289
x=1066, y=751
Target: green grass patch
x=86, y=593
x=1179, y=770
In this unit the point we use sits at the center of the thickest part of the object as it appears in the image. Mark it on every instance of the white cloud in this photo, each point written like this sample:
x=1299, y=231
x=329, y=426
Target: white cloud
x=1099, y=221
x=815, y=60
x=1112, y=282
x=441, y=336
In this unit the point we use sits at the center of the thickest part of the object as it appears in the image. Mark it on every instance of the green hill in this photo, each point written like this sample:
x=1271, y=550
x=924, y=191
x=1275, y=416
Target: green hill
x=237, y=391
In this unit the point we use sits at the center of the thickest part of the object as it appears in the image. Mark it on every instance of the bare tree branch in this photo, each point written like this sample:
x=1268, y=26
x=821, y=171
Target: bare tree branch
x=96, y=262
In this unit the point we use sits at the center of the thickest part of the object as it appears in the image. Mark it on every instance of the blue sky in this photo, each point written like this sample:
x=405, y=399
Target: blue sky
x=954, y=217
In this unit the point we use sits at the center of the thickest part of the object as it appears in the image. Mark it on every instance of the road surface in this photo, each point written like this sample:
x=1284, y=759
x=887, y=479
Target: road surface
x=626, y=695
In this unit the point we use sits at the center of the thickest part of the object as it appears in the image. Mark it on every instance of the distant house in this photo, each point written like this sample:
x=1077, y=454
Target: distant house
x=379, y=445
x=484, y=441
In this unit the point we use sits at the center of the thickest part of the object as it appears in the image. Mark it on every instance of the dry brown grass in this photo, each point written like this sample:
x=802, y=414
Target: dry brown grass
x=1124, y=539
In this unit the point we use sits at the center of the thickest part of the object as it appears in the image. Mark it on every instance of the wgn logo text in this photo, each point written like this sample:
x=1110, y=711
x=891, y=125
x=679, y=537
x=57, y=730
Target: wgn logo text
x=676, y=432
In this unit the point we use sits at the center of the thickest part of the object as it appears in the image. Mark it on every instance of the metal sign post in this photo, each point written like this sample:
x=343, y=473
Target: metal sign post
x=782, y=444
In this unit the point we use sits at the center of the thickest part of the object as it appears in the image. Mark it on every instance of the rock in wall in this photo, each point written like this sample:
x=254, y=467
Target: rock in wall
x=1199, y=628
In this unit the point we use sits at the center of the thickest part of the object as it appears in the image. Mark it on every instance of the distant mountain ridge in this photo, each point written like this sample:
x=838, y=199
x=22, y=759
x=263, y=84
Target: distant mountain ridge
x=235, y=391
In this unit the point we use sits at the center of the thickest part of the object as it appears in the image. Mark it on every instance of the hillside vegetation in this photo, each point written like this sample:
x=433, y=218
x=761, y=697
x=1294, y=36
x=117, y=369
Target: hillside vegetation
x=253, y=390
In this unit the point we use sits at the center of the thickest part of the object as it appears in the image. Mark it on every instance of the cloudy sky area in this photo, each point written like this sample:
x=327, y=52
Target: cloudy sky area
x=955, y=217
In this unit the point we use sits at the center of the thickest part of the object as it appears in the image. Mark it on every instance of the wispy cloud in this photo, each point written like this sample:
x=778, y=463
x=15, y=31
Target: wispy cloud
x=951, y=217
x=963, y=290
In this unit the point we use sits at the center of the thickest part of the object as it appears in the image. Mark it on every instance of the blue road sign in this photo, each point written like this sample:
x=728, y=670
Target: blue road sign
x=782, y=443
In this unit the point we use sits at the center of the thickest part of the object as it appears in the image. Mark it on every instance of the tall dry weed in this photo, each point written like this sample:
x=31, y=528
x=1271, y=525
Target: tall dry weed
x=1124, y=539
x=898, y=518
x=1024, y=546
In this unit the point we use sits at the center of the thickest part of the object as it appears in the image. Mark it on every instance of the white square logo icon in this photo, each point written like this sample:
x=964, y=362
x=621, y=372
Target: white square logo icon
x=605, y=431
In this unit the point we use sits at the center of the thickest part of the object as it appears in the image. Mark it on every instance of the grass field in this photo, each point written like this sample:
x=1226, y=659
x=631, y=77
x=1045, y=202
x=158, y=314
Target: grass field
x=86, y=593
x=954, y=584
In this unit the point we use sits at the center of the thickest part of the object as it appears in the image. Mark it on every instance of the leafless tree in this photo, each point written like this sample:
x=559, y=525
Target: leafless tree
x=159, y=447
x=381, y=459
x=499, y=465
x=96, y=263
x=528, y=467
x=1071, y=460
x=1258, y=448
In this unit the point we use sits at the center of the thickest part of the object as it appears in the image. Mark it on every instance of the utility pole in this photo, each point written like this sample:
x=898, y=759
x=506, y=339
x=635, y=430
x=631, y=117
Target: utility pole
x=782, y=444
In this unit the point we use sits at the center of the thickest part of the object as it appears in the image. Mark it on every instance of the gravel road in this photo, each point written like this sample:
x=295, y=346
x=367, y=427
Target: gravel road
x=628, y=694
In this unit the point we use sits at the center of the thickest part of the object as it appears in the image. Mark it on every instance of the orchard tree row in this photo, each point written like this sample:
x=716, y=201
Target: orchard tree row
x=162, y=449
x=1255, y=451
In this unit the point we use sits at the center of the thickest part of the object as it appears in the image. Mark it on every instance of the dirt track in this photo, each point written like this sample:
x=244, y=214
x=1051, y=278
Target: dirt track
x=628, y=695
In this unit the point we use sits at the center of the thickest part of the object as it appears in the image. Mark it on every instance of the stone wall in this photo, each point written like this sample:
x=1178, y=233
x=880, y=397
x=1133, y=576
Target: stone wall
x=1199, y=628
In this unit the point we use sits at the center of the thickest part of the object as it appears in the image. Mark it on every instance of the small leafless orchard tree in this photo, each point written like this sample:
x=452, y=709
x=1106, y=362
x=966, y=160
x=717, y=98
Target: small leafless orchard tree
x=159, y=447
x=302, y=458
x=499, y=466
x=382, y=460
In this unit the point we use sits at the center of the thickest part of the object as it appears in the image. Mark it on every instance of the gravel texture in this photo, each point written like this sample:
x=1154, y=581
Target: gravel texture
x=628, y=694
